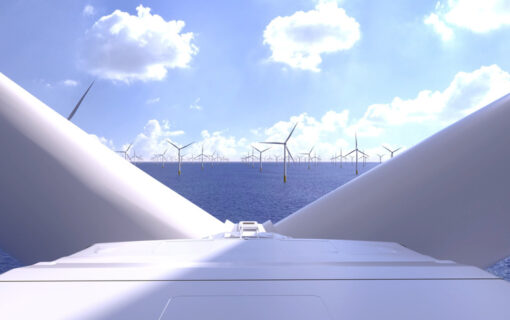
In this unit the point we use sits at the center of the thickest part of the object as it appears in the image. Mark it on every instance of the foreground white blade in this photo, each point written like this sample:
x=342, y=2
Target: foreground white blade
x=62, y=190
x=439, y=198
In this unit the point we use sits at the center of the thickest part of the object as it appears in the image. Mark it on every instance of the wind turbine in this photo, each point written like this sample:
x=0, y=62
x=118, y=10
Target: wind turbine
x=380, y=157
x=364, y=157
x=201, y=155
x=341, y=157
x=135, y=156
x=392, y=152
x=79, y=102
x=309, y=154
x=260, y=155
x=161, y=157
x=179, y=153
x=285, y=150
x=125, y=152
x=356, y=150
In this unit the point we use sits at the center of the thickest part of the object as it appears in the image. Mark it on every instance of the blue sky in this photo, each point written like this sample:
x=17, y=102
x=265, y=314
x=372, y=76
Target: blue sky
x=227, y=74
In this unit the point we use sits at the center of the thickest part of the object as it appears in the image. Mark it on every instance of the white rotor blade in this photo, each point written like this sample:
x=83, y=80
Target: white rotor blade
x=350, y=153
x=172, y=144
x=291, y=132
x=189, y=144
x=456, y=207
x=288, y=151
x=62, y=190
x=79, y=102
x=273, y=142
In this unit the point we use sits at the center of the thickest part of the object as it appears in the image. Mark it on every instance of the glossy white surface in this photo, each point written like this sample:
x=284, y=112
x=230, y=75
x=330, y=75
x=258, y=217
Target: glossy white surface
x=447, y=197
x=62, y=191
x=226, y=278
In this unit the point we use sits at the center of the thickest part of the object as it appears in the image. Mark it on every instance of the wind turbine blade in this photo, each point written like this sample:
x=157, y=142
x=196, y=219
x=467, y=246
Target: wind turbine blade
x=387, y=149
x=167, y=140
x=100, y=197
x=189, y=144
x=461, y=216
x=397, y=149
x=291, y=132
x=265, y=149
x=311, y=149
x=288, y=151
x=350, y=153
x=255, y=148
x=129, y=147
x=272, y=142
x=79, y=102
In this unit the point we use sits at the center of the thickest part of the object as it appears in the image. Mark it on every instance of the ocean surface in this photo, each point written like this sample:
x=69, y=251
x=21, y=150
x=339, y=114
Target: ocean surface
x=238, y=191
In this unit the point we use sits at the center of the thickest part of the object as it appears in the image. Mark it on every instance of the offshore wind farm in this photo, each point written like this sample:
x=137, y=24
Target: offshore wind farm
x=311, y=159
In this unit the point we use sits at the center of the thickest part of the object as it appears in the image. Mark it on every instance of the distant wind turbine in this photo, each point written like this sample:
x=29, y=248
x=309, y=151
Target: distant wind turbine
x=135, y=156
x=380, y=157
x=285, y=151
x=309, y=154
x=392, y=152
x=202, y=155
x=125, y=152
x=260, y=155
x=356, y=150
x=179, y=153
x=79, y=102
x=161, y=157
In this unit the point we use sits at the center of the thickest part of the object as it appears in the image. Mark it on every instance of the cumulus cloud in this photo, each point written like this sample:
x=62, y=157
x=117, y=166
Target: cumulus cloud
x=439, y=26
x=70, y=83
x=89, y=10
x=468, y=92
x=124, y=47
x=299, y=40
x=429, y=111
x=474, y=15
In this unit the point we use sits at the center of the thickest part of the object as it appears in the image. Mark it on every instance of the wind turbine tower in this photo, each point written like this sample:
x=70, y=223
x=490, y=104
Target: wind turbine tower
x=285, y=151
x=179, y=153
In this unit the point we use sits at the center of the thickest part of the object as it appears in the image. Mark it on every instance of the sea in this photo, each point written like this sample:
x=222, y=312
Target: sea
x=242, y=192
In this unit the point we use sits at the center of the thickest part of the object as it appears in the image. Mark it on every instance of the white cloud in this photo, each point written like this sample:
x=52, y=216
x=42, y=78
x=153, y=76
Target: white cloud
x=153, y=138
x=428, y=112
x=152, y=101
x=467, y=93
x=89, y=10
x=299, y=40
x=439, y=26
x=474, y=15
x=195, y=105
x=103, y=140
x=70, y=83
x=126, y=47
